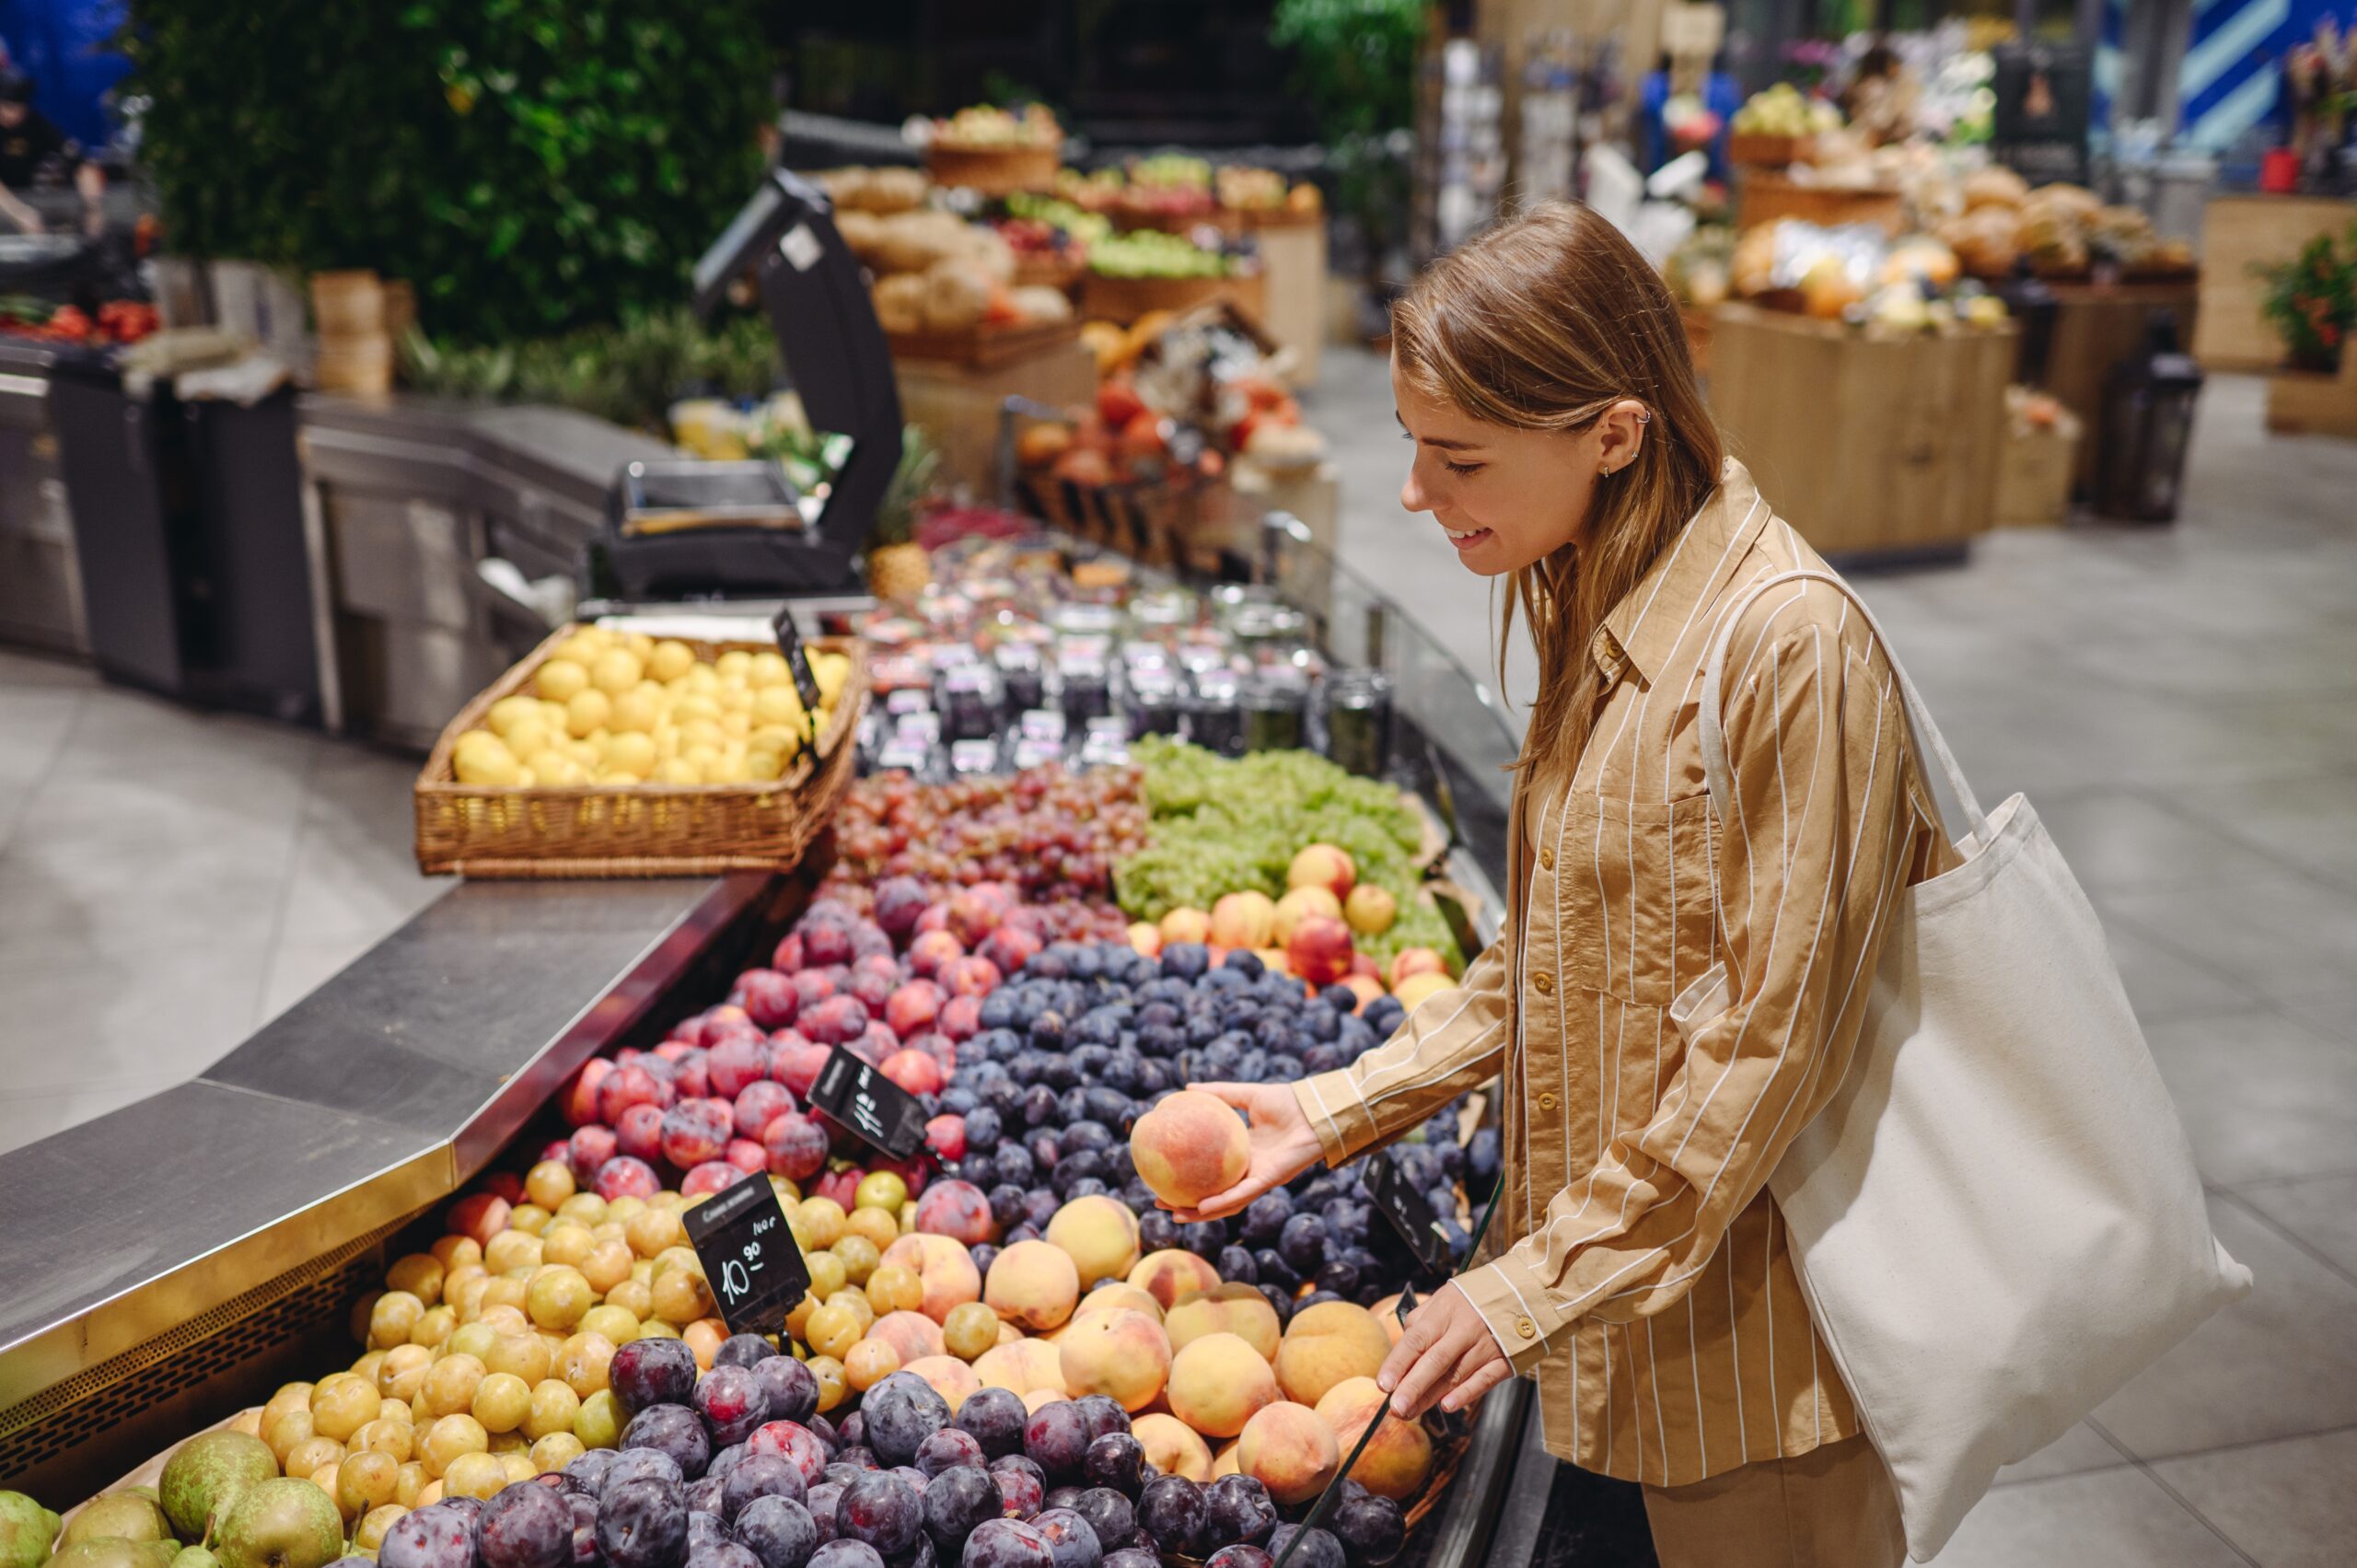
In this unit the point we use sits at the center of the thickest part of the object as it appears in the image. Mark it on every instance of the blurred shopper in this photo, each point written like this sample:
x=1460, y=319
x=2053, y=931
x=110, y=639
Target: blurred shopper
x=1646, y=1280
x=33, y=152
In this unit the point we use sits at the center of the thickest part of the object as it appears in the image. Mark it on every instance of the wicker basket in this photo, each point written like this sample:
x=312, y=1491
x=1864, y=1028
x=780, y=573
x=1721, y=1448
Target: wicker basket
x=632, y=829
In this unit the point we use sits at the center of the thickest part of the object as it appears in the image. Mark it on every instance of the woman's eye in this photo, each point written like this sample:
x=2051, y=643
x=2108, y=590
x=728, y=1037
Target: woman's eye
x=1461, y=470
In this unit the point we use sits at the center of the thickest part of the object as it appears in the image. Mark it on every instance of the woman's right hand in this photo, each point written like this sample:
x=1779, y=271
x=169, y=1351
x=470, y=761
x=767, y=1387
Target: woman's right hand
x=1283, y=1147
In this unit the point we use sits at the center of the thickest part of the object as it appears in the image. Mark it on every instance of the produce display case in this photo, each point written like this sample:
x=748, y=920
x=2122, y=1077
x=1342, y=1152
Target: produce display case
x=245, y=1213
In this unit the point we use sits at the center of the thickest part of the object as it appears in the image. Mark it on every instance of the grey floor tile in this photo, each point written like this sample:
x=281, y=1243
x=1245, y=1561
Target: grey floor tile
x=2162, y=983
x=2281, y=1363
x=356, y=868
x=2122, y=840
x=2321, y=1212
x=2077, y=1451
x=2332, y=1014
x=20, y=670
x=2116, y=1518
x=186, y=881
x=2310, y=821
x=170, y=1015
x=2287, y=1504
x=34, y=724
x=2262, y=1096
x=2280, y=935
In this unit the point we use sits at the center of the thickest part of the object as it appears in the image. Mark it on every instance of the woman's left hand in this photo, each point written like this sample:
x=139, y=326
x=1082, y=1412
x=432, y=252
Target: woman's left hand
x=1446, y=1355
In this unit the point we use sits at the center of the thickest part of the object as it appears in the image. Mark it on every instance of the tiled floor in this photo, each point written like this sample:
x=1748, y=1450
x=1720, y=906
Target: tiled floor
x=2180, y=703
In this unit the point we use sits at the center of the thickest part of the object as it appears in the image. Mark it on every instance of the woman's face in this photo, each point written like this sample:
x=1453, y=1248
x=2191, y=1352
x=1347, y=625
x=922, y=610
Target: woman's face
x=1506, y=498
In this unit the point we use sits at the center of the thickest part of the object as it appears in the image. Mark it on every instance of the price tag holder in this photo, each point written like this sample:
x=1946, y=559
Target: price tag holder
x=797, y=664
x=873, y=1107
x=756, y=1272
x=1410, y=1212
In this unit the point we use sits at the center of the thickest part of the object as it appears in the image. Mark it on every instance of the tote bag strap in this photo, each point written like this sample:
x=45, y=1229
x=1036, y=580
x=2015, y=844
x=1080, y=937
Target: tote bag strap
x=1713, y=732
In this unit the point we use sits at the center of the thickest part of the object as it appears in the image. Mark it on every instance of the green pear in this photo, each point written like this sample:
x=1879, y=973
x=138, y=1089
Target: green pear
x=281, y=1524
x=120, y=1515
x=195, y=1557
x=26, y=1530
x=208, y=1474
x=113, y=1552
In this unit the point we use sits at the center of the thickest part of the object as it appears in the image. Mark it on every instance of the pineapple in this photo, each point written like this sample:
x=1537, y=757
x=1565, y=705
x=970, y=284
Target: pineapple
x=898, y=569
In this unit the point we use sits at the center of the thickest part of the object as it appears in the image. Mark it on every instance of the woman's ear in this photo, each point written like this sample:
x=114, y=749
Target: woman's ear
x=1620, y=435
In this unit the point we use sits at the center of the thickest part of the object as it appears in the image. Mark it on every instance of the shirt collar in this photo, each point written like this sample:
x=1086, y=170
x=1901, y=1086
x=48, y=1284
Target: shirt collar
x=1646, y=626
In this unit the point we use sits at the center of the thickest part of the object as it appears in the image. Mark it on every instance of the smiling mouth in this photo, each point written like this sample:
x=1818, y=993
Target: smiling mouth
x=1465, y=539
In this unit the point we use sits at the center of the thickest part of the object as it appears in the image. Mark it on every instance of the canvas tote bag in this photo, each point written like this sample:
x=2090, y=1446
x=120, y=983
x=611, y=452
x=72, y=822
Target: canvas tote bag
x=1996, y=1221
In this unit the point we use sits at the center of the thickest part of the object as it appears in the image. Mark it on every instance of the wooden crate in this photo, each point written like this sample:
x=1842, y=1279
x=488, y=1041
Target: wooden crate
x=2095, y=327
x=2308, y=402
x=1768, y=196
x=1869, y=443
x=2034, y=477
x=986, y=347
x=958, y=405
x=1292, y=274
x=994, y=171
x=2237, y=232
x=1123, y=300
x=1753, y=149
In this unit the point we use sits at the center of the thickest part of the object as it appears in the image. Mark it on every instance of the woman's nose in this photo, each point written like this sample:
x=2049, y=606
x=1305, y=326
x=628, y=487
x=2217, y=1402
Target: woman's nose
x=1411, y=492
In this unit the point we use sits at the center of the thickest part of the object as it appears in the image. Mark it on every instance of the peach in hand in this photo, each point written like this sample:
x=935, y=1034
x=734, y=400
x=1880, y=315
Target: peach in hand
x=1189, y=1147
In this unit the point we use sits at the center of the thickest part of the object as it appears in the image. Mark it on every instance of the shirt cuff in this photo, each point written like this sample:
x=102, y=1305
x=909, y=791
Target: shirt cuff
x=1521, y=1317
x=1337, y=1112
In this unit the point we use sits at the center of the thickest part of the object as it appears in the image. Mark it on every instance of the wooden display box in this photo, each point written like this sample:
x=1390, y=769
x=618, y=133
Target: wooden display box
x=2034, y=477
x=958, y=405
x=993, y=171
x=1768, y=196
x=986, y=347
x=1123, y=300
x=2095, y=327
x=2241, y=231
x=1871, y=445
x=2308, y=402
x=1753, y=149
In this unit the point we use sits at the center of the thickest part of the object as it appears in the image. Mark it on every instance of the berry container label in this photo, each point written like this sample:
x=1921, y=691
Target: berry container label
x=749, y=1257
x=875, y=1109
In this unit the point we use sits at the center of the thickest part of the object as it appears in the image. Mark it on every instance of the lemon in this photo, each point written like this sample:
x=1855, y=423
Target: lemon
x=701, y=732
x=833, y=670
x=767, y=669
x=783, y=739
x=703, y=677
x=676, y=771
x=493, y=765
x=559, y=678
x=529, y=732
x=583, y=647
x=639, y=644
x=621, y=776
x=669, y=660
x=509, y=711
x=638, y=709
x=702, y=705
x=667, y=741
x=778, y=705
x=731, y=769
x=616, y=672
x=630, y=752
x=586, y=710
x=554, y=767
x=735, y=725
x=736, y=662
x=704, y=758
x=589, y=750
x=763, y=765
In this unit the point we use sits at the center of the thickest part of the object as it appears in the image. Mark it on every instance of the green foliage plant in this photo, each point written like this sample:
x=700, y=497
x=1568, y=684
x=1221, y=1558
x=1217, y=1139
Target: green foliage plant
x=2311, y=300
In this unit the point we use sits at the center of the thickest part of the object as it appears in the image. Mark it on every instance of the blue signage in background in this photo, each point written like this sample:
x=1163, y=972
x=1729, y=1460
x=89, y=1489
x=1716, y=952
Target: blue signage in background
x=68, y=48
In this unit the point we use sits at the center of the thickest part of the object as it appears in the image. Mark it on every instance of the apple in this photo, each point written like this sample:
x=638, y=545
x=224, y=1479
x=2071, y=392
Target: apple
x=1415, y=960
x=1243, y=920
x=1183, y=924
x=1145, y=937
x=1320, y=950
x=1323, y=866
x=1297, y=905
x=1370, y=910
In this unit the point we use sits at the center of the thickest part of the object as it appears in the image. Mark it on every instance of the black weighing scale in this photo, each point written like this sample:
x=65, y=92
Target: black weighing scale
x=695, y=531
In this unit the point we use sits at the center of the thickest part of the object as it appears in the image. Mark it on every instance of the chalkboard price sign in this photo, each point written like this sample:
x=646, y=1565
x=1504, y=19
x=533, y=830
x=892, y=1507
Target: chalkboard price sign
x=1410, y=1212
x=797, y=664
x=749, y=1257
x=870, y=1104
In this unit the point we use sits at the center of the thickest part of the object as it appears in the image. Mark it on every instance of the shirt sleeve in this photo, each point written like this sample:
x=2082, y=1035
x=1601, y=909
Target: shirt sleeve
x=1450, y=1043
x=1808, y=872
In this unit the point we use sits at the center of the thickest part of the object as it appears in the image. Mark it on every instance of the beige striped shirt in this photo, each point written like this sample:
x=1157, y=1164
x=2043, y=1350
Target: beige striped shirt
x=1644, y=1277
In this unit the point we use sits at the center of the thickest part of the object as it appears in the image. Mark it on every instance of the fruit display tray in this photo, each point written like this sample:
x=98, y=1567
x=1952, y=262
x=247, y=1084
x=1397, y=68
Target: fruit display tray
x=644, y=830
x=994, y=171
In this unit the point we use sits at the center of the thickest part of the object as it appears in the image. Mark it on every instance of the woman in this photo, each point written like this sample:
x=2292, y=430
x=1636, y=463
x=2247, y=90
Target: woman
x=1542, y=373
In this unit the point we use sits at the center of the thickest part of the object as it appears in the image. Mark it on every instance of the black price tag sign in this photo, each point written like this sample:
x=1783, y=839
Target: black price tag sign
x=1410, y=1212
x=797, y=663
x=749, y=1257
x=870, y=1104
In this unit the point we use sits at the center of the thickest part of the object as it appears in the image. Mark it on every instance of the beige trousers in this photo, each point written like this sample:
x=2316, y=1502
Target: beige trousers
x=1832, y=1507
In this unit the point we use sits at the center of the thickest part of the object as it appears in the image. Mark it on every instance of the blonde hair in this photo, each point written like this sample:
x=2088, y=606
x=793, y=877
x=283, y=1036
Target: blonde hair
x=1543, y=323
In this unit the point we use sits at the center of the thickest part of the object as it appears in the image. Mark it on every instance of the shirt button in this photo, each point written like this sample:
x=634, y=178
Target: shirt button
x=1544, y=982
x=1547, y=859
x=1526, y=1328
x=1546, y=1102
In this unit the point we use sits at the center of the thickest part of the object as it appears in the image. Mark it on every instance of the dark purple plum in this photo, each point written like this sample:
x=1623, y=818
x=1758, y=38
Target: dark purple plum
x=1116, y=1461
x=846, y=1554
x=1240, y=1510
x=852, y=1434
x=1109, y=1514
x=1102, y=1413
x=947, y=1447
x=652, y=1372
x=901, y=1412
x=824, y=1431
x=1021, y=1492
x=704, y=1496
x=791, y=1391
x=882, y=1510
x=726, y=1460
x=744, y=1350
x=1372, y=1529
x=471, y=1508
x=1240, y=1557
x=1072, y=1540
x=674, y=1431
x=821, y=1502
x=642, y=1464
x=1317, y=1550
x=844, y=1471
x=583, y=1553
x=777, y=1530
x=956, y=1501
x=705, y=1531
x=1060, y=1497
x=1131, y=1557
x=1171, y=1510
x=587, y=1474
x=722, y=1553
x=731, y=1401
x=1056, y=1438
x=643, y=1524
x=791, y=1442
x=913, y=1478
x=1007, y=1543
x=761, y=1475
x=434, y=1537
x=994, y=1418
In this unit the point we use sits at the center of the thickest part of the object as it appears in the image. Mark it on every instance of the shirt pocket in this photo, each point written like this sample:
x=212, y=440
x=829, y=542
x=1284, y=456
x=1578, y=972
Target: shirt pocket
x=1635, y=885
